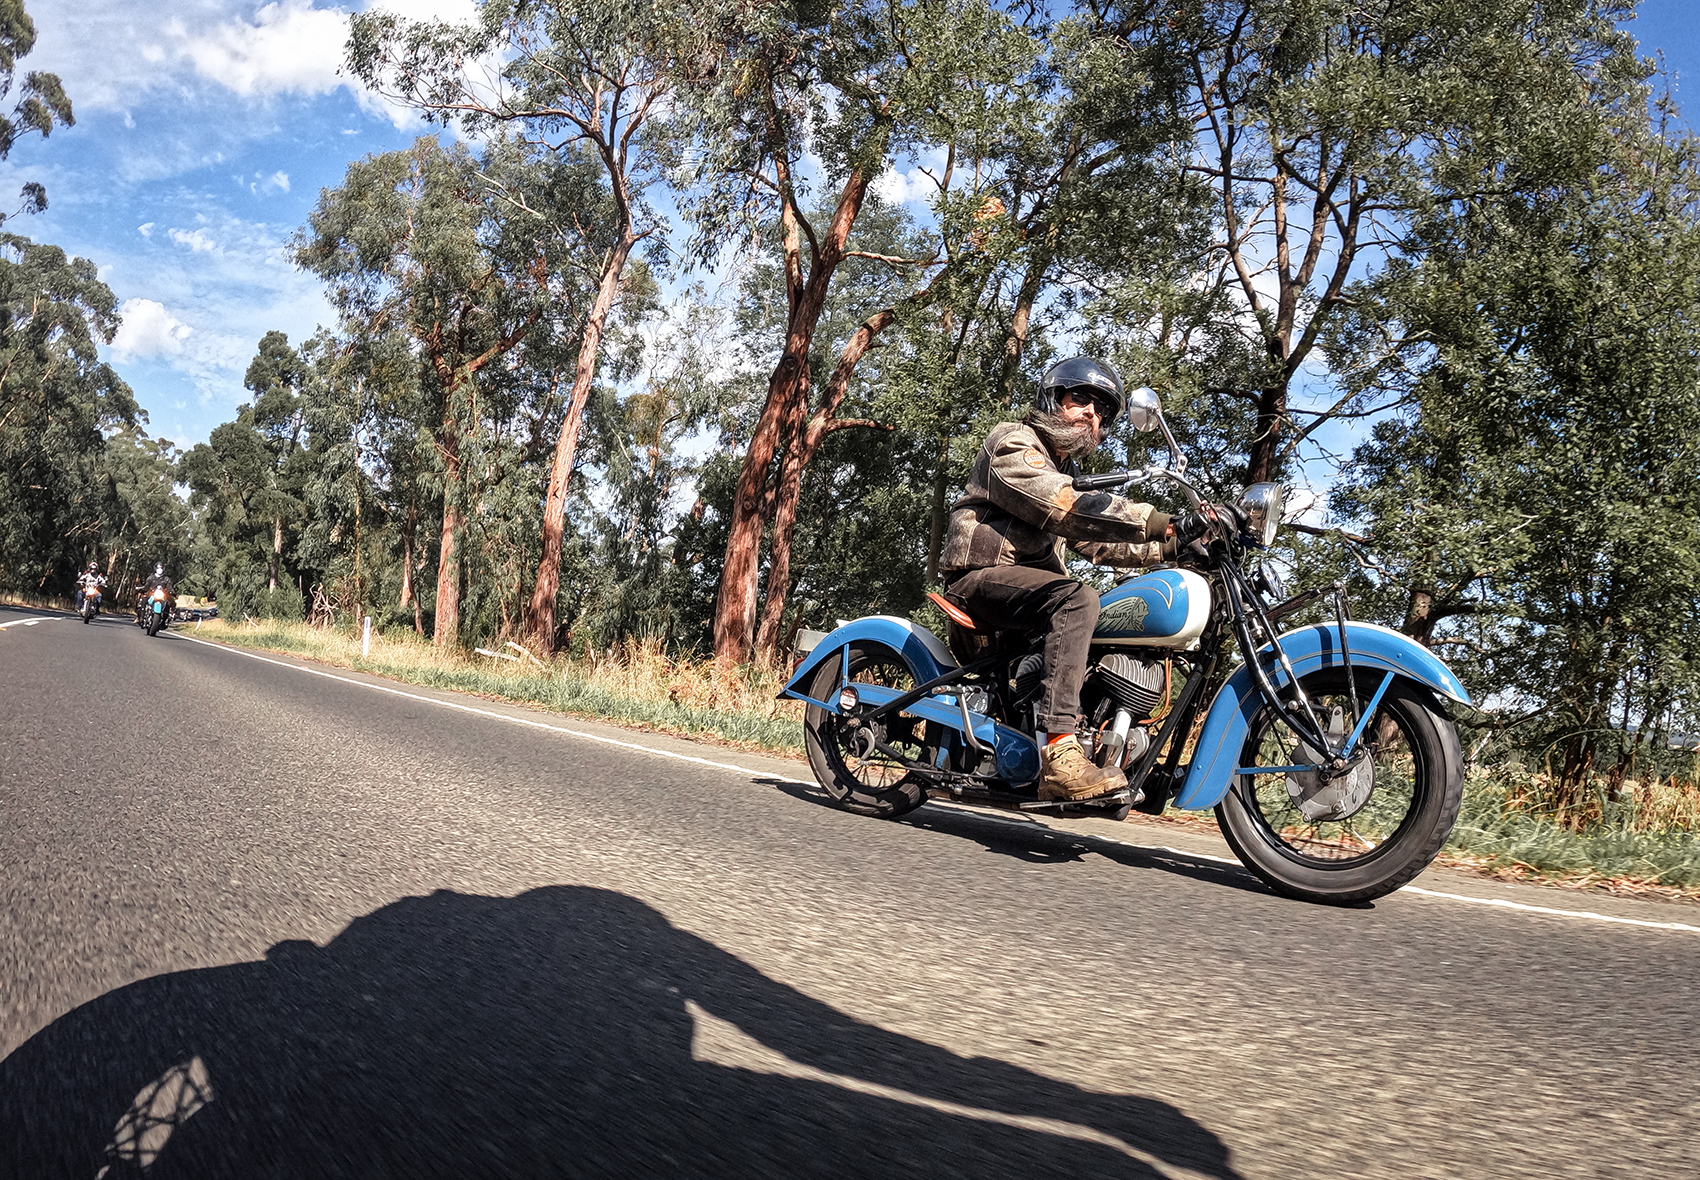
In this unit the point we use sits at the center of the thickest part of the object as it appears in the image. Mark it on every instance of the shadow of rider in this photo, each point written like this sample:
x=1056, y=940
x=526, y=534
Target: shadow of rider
x=569, y=1031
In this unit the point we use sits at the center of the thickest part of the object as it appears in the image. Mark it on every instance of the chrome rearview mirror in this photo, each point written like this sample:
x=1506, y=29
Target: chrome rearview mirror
x=1144, y=411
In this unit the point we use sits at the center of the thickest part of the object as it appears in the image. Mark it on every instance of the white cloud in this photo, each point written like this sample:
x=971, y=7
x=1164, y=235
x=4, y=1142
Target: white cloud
x=290, y=48
x=281, y=179
x=148, y=330
x=899, y=188
x=196, y=240
x=145, y=229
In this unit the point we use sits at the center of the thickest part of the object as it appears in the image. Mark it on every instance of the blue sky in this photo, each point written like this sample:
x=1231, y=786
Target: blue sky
x=205, y=130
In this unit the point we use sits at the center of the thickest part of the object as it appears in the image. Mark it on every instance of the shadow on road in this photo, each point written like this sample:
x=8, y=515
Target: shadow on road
x=1039, y=844
x=568, y=1031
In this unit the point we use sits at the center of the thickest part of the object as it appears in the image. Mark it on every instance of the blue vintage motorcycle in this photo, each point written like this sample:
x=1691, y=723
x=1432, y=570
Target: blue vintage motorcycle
x=1328, y=752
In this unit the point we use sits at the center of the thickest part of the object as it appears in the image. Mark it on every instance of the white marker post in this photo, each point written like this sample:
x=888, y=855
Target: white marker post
x=366, y=639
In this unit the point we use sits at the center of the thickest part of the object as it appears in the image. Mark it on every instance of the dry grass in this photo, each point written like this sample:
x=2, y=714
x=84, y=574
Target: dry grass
x=637, y=684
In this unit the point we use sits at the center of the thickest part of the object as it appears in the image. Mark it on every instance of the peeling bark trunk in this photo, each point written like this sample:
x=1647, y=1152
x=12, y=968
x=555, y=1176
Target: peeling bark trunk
x=445, y=631
x=407, y=533
x=277, y=550
x=735, y=605
x=1419, y=617
x=1015, y=341
x=540, y=611
x=806, y=440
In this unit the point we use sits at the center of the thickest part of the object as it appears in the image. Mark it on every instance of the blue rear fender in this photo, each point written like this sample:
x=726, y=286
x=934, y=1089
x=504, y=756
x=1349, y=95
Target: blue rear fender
x=1310, y=649
x=928, y=659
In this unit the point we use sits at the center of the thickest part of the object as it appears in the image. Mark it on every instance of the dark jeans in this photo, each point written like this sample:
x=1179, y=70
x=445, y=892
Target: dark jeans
x=1026, y=598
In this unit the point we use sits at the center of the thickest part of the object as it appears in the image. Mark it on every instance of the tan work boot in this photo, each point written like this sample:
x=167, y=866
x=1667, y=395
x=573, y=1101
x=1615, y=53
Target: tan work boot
x=1067, y=773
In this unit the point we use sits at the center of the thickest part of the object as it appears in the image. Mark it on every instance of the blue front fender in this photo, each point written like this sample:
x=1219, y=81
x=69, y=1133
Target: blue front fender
x=1211, y=772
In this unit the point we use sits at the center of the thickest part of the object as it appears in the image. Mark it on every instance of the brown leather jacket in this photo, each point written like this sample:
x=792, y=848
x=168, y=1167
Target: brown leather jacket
x=1021, y=509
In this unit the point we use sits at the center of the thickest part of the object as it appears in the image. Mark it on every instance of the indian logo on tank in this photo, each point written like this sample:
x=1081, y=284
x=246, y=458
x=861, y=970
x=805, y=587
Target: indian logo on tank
x=1125, y=616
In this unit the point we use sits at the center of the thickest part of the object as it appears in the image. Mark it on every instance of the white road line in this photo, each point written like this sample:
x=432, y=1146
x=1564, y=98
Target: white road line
x=29, y=622
x=1501, y=903
x=534, y=724
x=1498, y=903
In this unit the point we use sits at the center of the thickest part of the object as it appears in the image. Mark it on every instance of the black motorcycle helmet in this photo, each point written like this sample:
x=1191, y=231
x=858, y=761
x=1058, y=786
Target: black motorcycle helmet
x=1082, y=372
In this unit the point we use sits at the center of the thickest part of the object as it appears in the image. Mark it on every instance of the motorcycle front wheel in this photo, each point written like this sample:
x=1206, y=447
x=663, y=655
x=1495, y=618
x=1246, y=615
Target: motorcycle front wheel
x=1367, y=833
x=867, y=787
x=154, y=623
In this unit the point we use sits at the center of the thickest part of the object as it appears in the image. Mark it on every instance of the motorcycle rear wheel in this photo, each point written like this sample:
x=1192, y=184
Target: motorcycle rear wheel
x=866, y=788
x=1418, y=770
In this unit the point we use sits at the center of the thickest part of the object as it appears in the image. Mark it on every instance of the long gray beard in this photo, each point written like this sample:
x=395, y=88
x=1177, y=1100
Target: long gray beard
x=1069, y=440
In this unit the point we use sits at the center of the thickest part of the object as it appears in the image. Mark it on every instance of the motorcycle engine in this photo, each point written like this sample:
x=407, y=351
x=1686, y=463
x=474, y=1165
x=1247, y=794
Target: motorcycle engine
x=1134, y=685
x=1028, y=672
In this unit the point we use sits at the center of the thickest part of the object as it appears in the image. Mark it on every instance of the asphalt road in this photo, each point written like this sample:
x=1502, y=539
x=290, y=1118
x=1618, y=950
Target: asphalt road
x=259, y=922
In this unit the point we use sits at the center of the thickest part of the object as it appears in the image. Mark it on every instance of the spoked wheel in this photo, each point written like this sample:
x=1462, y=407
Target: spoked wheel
x=857, y=777
x=1364, y=833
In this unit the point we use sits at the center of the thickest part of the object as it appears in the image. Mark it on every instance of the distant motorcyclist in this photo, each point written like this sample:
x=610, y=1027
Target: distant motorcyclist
x=158, y=582
x=1003, y=562
x=159, y=579
x=89, y=579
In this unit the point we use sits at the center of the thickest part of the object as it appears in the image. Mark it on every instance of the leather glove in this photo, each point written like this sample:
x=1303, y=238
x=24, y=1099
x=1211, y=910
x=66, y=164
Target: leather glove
x=1189, y=528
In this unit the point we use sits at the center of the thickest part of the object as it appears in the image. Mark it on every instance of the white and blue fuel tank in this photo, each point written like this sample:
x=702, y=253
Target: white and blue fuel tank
x=1164, y=608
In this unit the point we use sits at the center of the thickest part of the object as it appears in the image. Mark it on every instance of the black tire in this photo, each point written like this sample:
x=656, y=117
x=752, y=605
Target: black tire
x=87, y=614
x=1418, y=784
x=866, y=788
x=154, y=623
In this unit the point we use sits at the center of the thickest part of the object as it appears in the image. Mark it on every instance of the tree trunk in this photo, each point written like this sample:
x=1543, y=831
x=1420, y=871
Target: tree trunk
x=935, y=538
x=1263, y=452
x=408, y=529
x=1419, y=616
x=1015, y=340
x=540, y=612
x=735, y=605
x=806, y=439
x=277, y=550
x=446, y=630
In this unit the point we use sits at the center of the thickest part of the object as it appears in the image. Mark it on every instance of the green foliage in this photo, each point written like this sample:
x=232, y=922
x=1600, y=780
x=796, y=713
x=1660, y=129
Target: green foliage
x=41, y=98
x=57, y=401
x=1541, y=511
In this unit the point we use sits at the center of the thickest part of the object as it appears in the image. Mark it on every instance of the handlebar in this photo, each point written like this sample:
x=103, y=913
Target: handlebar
x=1097, y=483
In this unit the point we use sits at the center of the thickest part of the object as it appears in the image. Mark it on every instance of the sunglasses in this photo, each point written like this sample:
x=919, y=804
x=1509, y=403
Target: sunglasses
x=1082, y=396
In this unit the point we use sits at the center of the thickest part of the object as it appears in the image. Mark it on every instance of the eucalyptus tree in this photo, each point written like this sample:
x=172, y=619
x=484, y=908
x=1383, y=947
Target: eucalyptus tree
x=57, y=403
x=427, y=242
x=1327, y=129
x=275, y=378
x=41, y=97
x=1539, y=519
x=857, y=87
x=583, y=78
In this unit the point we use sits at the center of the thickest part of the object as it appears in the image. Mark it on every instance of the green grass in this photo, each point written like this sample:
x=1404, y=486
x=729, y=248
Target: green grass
x=1497, y=831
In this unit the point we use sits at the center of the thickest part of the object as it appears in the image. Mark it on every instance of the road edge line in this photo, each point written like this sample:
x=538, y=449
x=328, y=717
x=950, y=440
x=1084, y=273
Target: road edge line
x=1496, y=902
x=532, y=722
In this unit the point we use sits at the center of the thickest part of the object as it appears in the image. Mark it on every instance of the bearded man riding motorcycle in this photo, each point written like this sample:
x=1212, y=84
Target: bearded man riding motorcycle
x=1002, y=561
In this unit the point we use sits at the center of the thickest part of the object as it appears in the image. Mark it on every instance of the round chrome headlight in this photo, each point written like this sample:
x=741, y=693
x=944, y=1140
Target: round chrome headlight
x=1262, y=503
